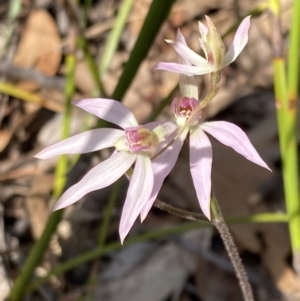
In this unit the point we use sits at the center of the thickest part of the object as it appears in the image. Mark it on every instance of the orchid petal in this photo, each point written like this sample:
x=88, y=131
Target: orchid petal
x=200, y=163
x=180, y=37
x=184, y=69
x=232, y=136
x=109, y=110
x=203, y=47
x=203, y=31
x=187, y=83
x=188, y=54
x=85, y=142
x=162, y=166
x=239, y=42
x=139, y=191
x=102, y=175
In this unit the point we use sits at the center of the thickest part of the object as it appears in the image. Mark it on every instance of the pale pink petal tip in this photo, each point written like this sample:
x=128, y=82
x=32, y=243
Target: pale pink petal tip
x=180, y=38
x=138, y=194
x=109, y=110
x=39, y=155
x=162, y=166
x=200, y=163
x=100, y=176
x=239, y=42
x=231, y=135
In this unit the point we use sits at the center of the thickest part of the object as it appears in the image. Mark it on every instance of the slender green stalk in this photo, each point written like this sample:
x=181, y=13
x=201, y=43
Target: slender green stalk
x=281, y=102
x=291, y=154
x=219, y=223
x=268, y=217
x=41, y=245
x=93, y=68
x=285, y=95
x=293, y=58
x=189, y=215
x=115, y=35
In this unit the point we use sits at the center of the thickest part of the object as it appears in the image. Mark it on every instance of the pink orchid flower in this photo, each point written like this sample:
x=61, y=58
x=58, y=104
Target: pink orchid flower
x=213, y=49
x=134, y=144
x=188, y=119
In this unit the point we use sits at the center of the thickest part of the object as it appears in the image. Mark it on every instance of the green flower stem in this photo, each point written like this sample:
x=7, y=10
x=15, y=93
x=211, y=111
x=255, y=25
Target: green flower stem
x=291, y=155
x=38, y=250
x=285, y=95
x=82, y=43
x=259, y=218
x=193, y=216
x=219, y=223
x=115, y=35
x=293, y=57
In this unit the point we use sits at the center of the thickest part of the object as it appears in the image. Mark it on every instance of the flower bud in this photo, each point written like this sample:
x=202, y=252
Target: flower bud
x=214, y=45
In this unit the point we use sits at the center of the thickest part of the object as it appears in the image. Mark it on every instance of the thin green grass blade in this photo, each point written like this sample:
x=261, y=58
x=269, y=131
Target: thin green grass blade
x=115, y=35
x=38, y=250
x=291, y=151
x=286, y=116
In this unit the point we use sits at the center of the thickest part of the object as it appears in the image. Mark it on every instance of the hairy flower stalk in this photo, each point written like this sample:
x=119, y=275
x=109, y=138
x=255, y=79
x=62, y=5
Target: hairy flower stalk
x=213, y=48
x=219, y=223
x=135, y=144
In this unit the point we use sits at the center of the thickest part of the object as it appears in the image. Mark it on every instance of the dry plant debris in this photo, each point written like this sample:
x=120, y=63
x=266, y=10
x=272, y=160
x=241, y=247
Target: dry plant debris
x=170, y=269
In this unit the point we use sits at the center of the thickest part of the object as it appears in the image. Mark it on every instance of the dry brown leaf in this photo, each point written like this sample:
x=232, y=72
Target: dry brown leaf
x=83, y=78
x=40, y=46
x=36, y=204
x=5, y=136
